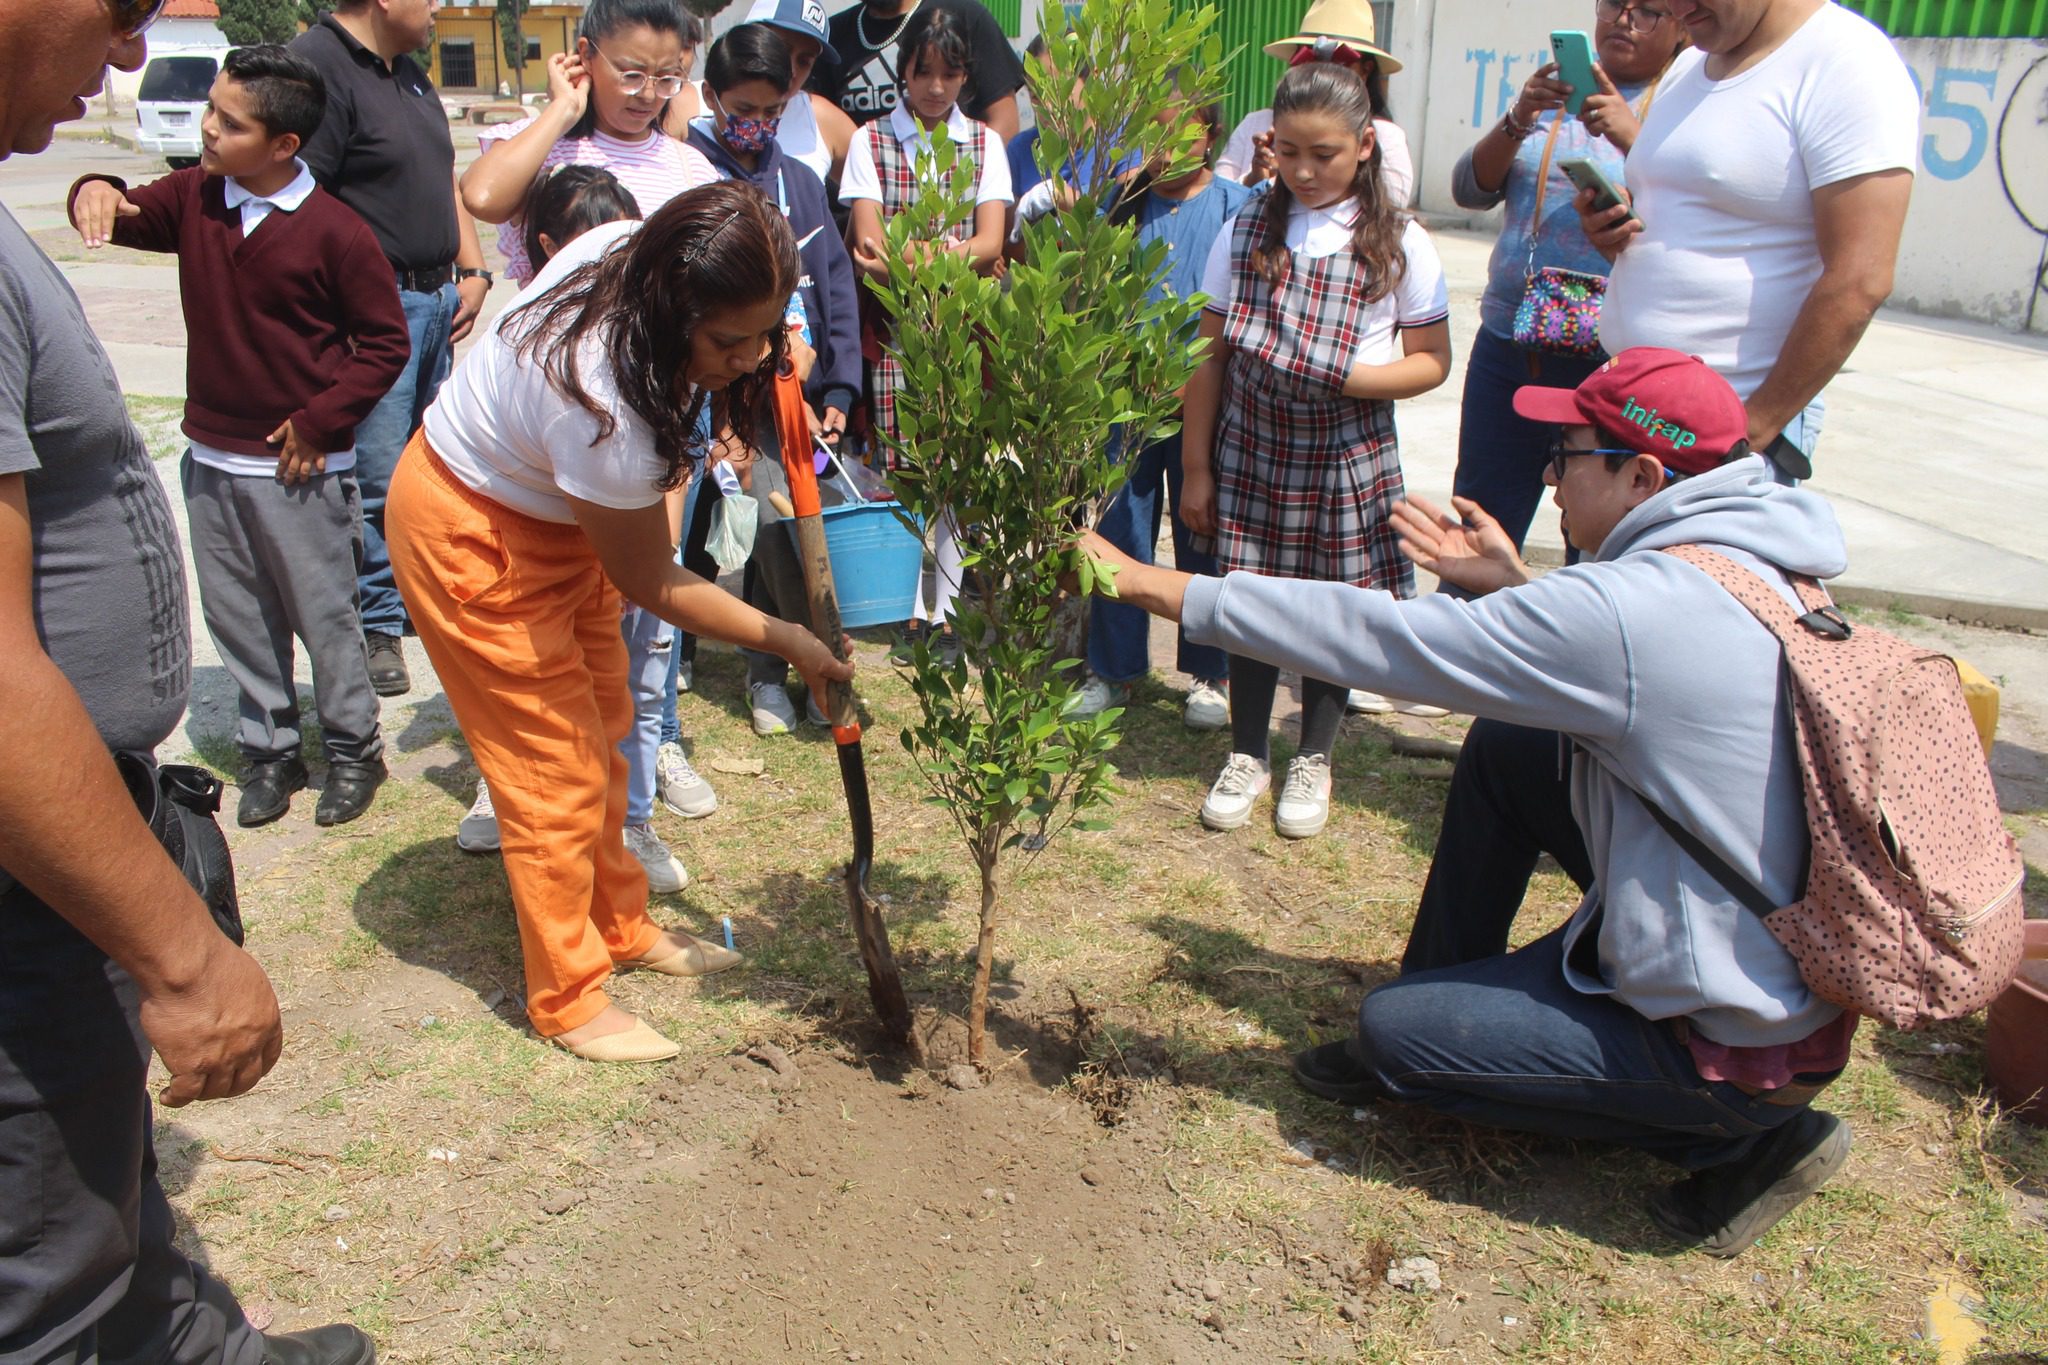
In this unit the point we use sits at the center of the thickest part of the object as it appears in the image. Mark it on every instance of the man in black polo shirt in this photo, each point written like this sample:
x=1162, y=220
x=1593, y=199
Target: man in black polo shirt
x=866, y=37
x=384, y=150
x=105, y=950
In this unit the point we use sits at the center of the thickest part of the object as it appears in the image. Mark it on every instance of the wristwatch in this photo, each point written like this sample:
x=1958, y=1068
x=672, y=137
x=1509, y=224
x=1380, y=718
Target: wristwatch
x=470, y=272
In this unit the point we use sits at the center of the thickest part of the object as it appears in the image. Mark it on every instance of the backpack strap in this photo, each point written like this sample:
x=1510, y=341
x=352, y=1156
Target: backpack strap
x=1733, y=882
x=1822, y=617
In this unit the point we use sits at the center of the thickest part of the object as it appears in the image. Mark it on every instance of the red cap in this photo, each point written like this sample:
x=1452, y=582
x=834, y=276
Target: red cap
x=1663, y=403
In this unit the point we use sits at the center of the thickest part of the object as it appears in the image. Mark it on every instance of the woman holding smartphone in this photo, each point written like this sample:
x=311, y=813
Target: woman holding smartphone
x=1519, y=161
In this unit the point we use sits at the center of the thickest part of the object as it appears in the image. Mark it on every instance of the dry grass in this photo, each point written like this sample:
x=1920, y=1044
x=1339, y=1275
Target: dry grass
x=1206, y=960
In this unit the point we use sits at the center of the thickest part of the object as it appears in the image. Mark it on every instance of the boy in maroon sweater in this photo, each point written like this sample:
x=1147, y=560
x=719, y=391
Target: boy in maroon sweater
x=293, y=332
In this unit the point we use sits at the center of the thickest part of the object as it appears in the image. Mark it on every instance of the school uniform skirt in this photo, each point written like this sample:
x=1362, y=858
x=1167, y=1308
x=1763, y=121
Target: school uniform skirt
x=1306, y=482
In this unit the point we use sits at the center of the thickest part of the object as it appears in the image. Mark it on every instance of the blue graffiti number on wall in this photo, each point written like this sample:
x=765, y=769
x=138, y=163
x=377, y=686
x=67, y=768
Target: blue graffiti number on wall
x=1941, y=105
x=1507, y=86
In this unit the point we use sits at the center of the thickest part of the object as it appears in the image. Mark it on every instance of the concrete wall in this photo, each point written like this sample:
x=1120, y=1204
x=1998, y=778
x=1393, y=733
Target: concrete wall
x=1977, y=234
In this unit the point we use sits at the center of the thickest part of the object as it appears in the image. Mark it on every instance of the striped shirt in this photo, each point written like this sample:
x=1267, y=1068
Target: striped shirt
x=656, y=169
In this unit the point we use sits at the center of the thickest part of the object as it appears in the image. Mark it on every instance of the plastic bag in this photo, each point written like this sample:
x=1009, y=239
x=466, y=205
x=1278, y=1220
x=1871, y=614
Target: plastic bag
x=735, y=520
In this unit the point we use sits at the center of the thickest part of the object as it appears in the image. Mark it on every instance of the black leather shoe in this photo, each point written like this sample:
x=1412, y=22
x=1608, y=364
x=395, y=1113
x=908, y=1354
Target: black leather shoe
x=388, y=675
x=267, y=790
x=1334, y=1073
x=335, y=1344
x=348, y=791
x=1726, y=1208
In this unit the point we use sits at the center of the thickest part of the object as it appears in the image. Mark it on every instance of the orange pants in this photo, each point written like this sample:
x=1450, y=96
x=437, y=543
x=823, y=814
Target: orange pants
x=523, y=629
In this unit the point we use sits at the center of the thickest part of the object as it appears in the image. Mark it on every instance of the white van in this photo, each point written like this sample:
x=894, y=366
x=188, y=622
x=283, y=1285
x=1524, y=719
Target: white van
x=171, y=100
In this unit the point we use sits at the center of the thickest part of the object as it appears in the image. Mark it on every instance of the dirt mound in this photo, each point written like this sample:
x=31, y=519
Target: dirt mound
x=882, y=1216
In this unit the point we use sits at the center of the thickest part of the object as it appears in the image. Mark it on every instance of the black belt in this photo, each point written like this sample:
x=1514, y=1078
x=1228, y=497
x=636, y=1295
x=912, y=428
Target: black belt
x=425, y=281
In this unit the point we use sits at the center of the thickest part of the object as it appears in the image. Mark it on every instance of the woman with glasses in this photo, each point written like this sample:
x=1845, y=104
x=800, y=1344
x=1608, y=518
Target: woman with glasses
x=606, y=102
x=1519, y=161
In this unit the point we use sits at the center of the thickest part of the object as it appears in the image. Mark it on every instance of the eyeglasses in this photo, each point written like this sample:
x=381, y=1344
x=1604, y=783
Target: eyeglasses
x=1560, y=452
x=633, y=82
x=1634, y=18
x=131, y=17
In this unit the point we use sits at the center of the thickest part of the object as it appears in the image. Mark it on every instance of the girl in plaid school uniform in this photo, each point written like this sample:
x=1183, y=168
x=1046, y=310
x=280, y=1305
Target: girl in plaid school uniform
x=880, y=180
x=1325, y=307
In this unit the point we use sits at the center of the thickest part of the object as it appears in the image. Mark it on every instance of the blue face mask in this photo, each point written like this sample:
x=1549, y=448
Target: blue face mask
x=749, y=135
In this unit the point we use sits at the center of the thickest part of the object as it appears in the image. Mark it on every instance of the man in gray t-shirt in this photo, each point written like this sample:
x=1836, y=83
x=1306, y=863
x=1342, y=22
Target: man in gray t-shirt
x=106, y=953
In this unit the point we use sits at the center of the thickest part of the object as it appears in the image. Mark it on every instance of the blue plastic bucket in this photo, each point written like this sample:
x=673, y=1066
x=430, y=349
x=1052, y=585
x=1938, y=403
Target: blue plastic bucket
x=876, y=562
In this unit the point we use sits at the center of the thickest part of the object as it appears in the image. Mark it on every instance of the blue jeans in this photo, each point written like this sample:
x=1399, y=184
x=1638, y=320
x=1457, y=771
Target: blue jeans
x=381, y=439
x=1118, y=634
x=671, y=691
x=1501, y=455
x=1803, y=431
x=650, y=648
x=1501, y=1038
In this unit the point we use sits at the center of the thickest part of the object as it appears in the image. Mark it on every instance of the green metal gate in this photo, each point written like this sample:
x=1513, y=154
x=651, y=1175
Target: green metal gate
x=1248, y=25
x=1956, y=18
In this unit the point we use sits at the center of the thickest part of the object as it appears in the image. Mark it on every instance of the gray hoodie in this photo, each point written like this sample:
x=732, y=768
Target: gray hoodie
x=1667, y=684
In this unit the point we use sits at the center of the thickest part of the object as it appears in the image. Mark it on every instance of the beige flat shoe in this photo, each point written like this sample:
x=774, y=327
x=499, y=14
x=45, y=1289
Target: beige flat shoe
x=639, y=1043
x=697, y=959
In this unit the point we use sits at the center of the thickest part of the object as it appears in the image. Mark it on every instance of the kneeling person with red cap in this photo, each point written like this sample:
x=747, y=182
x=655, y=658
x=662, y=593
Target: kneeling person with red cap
x=1663, y=1015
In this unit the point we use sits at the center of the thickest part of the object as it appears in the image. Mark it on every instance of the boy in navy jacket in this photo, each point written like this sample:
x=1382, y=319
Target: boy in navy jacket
x=294, y=332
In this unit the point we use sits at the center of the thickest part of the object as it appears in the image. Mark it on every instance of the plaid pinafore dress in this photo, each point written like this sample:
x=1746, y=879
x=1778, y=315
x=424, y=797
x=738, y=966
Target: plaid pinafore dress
x=1305, y=477
x=897, y=172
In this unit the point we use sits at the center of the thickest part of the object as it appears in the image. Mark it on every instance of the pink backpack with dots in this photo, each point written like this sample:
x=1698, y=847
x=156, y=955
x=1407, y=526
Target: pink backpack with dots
x=1911, y=909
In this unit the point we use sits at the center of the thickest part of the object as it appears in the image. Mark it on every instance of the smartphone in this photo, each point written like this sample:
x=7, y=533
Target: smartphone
x=1573, y=51
x=1588, y=176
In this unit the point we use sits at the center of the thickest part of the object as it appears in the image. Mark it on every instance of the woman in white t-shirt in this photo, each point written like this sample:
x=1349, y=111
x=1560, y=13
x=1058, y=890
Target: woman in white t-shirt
x=605, y=105
x=1325, y=306
x=529, y=502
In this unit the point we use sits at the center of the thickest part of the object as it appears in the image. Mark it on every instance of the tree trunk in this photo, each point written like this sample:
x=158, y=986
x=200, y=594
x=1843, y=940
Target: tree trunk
x=984, y=961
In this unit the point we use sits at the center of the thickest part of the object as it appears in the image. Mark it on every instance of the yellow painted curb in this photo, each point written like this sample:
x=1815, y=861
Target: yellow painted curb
x=1950, y=1329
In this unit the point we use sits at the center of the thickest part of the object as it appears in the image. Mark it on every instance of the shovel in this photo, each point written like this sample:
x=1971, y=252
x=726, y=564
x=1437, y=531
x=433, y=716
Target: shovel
x=885, y=982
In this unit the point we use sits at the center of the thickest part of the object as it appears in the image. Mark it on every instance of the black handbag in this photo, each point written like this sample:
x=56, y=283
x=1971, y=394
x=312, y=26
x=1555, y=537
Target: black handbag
x=179, y=803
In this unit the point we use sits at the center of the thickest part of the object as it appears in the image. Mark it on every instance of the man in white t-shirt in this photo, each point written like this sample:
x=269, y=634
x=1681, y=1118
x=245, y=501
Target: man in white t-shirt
x=1769, y=185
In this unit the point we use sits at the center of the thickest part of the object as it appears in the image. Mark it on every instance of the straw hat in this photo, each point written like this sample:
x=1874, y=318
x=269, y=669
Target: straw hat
x=1344, y=21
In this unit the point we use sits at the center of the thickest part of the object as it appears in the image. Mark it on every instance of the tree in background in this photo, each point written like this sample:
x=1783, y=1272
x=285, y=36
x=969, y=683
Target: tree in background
x=512, y=35
x=243, y=22
x=1016, y=400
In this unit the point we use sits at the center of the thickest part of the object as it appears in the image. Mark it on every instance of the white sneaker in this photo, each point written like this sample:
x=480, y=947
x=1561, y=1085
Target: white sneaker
x=1304, y=805
x=1208, y=706
x=478, y=832
x=1418, y=708
x=682, y=789
x=1097, y=696
x=1243, y=780
x=1367, y=703
x=665, y=874
x=815, y=713
x=686, y=675
x=773, y=715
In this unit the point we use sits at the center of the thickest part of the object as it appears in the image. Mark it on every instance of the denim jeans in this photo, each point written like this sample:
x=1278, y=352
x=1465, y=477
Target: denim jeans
x=1119, y=634
x=1500, y=1038
x=382, y=437
x=1501, y=455
x=671, y=692
x=1803, y=431
x=650, y=647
